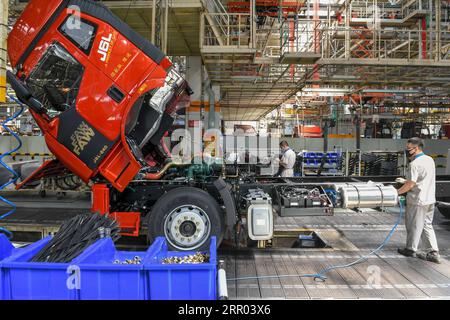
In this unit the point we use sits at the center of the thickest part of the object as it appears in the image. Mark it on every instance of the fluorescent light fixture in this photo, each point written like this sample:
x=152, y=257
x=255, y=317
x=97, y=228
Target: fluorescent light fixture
x=326, y=90
x=245, y=78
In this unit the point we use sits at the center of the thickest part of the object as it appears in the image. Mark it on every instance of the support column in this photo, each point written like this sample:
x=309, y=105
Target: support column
x=160, y=24
x=206, y=98
x=438, y=29
x=348, y=13
x=4, y=7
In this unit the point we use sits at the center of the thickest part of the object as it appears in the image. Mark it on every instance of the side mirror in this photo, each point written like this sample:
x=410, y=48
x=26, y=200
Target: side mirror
x=24, y=94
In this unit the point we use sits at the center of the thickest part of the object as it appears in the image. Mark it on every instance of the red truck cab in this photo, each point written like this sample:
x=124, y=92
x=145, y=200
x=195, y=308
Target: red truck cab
x=102, y=95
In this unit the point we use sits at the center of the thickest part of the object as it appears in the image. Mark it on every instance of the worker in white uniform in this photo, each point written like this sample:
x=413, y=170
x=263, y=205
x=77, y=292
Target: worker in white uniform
x=287, y=161
x=420, y=200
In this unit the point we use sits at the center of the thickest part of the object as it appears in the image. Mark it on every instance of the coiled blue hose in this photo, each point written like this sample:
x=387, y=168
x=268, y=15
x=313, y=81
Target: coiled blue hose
x=321, y=275
x=3, y=164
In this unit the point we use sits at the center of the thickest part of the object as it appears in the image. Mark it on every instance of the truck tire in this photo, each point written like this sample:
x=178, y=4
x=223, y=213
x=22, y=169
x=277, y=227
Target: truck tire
x=187, y=217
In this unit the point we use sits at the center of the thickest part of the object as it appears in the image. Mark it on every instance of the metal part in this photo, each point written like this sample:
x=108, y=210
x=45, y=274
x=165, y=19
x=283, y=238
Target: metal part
x=259, y=215
x=187, y=226
x=222, y=281
x=189, y=259
x=369, y=196
x=135, y=260
x=304, y=201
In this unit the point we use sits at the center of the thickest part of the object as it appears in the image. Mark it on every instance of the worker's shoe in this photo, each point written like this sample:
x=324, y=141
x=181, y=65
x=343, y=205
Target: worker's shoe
x=407, y=252
x=432, y=256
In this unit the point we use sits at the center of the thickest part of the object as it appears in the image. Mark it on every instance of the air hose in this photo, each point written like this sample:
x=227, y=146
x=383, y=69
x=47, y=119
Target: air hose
x=321, y=275
x=8, y=168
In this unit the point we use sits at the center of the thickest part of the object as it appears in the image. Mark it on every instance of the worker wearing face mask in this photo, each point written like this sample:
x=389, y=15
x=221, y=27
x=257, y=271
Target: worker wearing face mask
x=287, y=161
x=420, y=201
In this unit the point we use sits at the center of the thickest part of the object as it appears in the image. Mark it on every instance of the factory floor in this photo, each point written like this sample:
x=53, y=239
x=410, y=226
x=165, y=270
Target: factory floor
x=347, y=234
x=386, y=275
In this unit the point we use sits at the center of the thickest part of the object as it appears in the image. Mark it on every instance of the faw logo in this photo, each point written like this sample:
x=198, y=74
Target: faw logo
x=81, y=137
x=104, y=46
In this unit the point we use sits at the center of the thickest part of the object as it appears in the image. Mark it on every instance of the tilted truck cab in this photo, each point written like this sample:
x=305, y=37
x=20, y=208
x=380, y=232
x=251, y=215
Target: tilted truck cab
x=104, y=98
x=102, y=95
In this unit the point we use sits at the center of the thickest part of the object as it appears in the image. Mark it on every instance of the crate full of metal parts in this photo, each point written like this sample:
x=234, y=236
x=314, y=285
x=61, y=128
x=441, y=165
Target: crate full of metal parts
x=181, y=275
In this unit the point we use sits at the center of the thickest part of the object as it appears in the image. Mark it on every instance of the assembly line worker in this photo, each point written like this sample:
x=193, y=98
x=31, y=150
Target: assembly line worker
x=420, y=201
x=287, y=161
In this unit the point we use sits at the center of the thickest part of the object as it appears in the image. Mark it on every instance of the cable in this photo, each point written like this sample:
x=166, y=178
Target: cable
x=75, y=235
x=11, y=170
x=321, y=275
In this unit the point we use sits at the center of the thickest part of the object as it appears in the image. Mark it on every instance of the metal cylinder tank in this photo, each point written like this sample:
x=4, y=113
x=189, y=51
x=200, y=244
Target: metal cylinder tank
x=370, y=196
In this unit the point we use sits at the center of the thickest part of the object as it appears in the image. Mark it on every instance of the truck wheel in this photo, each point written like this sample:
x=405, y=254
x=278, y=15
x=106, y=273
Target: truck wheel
x=187, y=217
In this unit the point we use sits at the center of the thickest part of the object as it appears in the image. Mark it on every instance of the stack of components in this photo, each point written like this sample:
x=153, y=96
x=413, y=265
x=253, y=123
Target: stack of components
x=311, y=200
x=75, y=235
x=353, y=164
x=190, y=259
x=259, y=214
x=379, y=165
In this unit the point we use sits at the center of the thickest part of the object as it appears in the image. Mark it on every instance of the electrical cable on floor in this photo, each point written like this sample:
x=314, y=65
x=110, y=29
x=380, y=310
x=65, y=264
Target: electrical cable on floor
x=15, y=175
x=321, y=275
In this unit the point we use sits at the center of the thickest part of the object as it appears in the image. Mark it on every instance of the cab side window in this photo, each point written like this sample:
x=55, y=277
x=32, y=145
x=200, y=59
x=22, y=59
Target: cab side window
x=56, y=79
x=80, y=32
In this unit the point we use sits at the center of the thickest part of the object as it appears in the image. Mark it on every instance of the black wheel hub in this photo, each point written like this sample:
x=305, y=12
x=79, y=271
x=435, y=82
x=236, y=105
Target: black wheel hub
x=188, y=228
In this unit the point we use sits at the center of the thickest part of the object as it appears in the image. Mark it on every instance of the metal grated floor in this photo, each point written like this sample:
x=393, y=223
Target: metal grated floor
x=350, y=234
x=386, y=275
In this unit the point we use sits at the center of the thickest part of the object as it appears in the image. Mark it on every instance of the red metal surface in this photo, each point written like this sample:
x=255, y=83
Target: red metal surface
x=129, y=222
x=308, y=131
x=126, y=67
x=100, y=198
x=28, y=25
x=268, y=8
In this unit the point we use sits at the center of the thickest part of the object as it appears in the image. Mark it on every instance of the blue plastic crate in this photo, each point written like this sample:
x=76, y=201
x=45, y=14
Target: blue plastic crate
x=102, y=279
x=332, y=155
x=312, y=163
x=24, y=280
x=6, y=250
x=180, y=281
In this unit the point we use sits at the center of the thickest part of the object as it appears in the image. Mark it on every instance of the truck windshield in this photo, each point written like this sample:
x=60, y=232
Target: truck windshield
x=56, y=79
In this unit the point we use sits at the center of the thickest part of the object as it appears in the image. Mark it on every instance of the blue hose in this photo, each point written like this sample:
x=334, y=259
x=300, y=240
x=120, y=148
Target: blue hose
x=321, y=275
x=3, y=164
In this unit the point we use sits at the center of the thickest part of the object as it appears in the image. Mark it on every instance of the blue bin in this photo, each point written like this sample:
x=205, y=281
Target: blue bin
x=6, y=250
x=332, y=155
x=101, y=279
x=312, y=163
x=180, y=281
x=24, y=280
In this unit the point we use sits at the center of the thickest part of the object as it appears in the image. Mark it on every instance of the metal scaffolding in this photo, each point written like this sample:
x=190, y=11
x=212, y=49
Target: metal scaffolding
x=262, y=53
